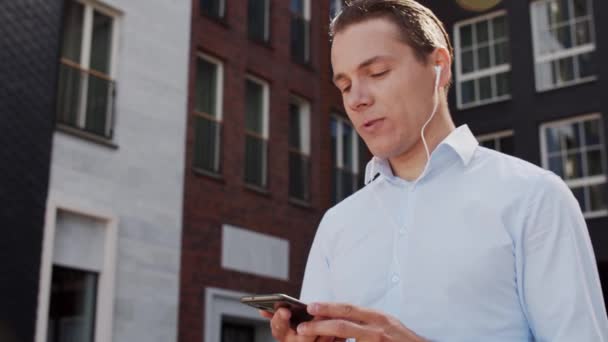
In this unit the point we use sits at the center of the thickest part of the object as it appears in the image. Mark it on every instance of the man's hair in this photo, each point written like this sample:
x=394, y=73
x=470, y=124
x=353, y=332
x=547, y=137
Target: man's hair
x=418, y=25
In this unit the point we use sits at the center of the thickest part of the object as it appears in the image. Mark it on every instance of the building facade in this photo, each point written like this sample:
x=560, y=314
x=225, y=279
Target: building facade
x=260, y=158
x=529, y=82
x=109, y=267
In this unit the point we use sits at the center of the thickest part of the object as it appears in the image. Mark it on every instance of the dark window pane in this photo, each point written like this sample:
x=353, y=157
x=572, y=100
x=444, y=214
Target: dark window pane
x=347, y=147
x=483, y=58
x=212, y=8
x=579, y=193
x=592, y=132
x=98, y=102
x=206, y=145
x=101, y=43
x=236, y=332
x=581, y=8
x=257, y=19
x=254, y=107
x=507, y=145
x=503, y=86
x=300, y=34
x=295, y=139
x=573, y=166
x=552, y=135
x=500, y=27
x=206, y=87
x=482, y=32
x=72, y=305
x=468, y=92
x=556, y=165
x=468, y=64
x=485, y=88
x=587, y=66
x=571, y=135
x=501, y=53
x=490, y=143
x=466, y=36
x=594, y=163
x=566, y=69
x=68, y=100
x=297, y=6
x=597, y=195
x=299, y=176
x=255, y=161
x=72, y=31
x=583, y=32
x=334, y=8
x=564, y=39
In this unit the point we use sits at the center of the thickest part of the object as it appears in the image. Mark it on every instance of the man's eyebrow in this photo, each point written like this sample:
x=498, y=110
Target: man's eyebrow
x=362, y=65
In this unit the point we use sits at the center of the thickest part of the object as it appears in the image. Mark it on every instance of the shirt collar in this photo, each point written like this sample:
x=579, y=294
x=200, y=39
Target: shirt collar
x=461, y=141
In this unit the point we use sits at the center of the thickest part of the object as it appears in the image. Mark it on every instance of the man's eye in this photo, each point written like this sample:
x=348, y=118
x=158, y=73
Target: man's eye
x=380, y=74
x=345, y=89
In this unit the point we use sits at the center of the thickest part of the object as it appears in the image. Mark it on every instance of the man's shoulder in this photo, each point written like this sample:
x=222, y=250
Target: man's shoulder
x=508, y=168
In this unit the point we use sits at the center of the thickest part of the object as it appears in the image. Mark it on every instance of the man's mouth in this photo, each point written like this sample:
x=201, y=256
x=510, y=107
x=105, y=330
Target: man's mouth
x=372, y=123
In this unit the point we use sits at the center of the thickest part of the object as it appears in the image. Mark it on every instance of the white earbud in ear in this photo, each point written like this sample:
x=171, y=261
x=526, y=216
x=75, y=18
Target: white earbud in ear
x=437, y=75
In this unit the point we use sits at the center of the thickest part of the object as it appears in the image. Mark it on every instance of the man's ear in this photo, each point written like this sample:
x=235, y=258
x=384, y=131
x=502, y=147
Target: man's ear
x=441, y=57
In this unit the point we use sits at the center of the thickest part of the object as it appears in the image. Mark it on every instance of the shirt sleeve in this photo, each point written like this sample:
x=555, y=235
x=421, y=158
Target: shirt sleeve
x=557, y=273
x=315, y=286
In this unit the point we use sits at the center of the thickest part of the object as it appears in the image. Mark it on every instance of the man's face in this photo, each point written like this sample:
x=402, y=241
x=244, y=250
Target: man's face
x=387, y=92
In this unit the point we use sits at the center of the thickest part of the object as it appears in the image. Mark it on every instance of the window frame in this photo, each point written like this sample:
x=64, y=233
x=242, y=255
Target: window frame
x=565, y=53
x=265, y=126
x=266, y=38
x=496, y=136
x=219, y=117
x=304, y=114
x=89, y=6
x=222, y=11
x=104, y=313
x=585, y=180
x=306, y=15
x=478, y=74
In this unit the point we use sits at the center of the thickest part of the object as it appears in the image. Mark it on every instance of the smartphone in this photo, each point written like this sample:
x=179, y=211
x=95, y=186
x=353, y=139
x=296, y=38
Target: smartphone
x=272, y=302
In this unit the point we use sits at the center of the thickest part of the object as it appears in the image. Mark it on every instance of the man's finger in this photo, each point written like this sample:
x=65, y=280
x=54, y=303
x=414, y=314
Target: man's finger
x=336, y=328
x=345, y=311
x=265, y=314
x=280, y=323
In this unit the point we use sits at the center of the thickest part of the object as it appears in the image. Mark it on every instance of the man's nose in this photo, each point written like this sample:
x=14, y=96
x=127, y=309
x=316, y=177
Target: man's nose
x=359, y=97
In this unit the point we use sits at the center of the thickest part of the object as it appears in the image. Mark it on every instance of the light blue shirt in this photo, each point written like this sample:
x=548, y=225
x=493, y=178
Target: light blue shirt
x=481, y=247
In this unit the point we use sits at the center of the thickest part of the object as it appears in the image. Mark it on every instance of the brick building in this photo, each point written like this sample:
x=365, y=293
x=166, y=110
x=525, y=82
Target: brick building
x=261, y=157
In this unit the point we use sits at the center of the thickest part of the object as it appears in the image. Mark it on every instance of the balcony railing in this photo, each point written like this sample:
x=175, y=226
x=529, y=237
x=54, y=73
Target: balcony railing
x=299, y=176
x=85, y=100
x=256, y=148
x=207, y=140
x=300, y=35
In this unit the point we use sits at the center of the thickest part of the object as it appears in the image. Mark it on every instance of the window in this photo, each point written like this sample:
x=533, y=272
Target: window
x=258, y=24
x=483, y=60
x=564, y=42
x=72, y=305
x=256, y=131
x=335, y=6
x=574, y=150
x=208, y=114
x=345, y=157
x=299, y=149
x=213, y=8
x=77, y=273
x=237, y=332
x=300, y=31
x=86, y=86
x=499, y=141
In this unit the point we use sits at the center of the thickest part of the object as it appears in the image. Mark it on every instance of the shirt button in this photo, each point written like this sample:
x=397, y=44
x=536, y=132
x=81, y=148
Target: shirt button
x=395, y=278
x=402, y=231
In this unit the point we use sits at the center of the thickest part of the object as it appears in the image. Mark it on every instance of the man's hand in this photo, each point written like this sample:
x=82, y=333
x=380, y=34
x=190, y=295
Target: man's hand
x=348, y=321
x=282, y=331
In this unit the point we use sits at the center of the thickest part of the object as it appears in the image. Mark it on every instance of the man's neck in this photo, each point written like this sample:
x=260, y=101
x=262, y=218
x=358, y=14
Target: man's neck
x=411, y=164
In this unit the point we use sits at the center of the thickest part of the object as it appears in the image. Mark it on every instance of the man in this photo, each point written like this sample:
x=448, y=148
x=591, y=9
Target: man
x=449, y=241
